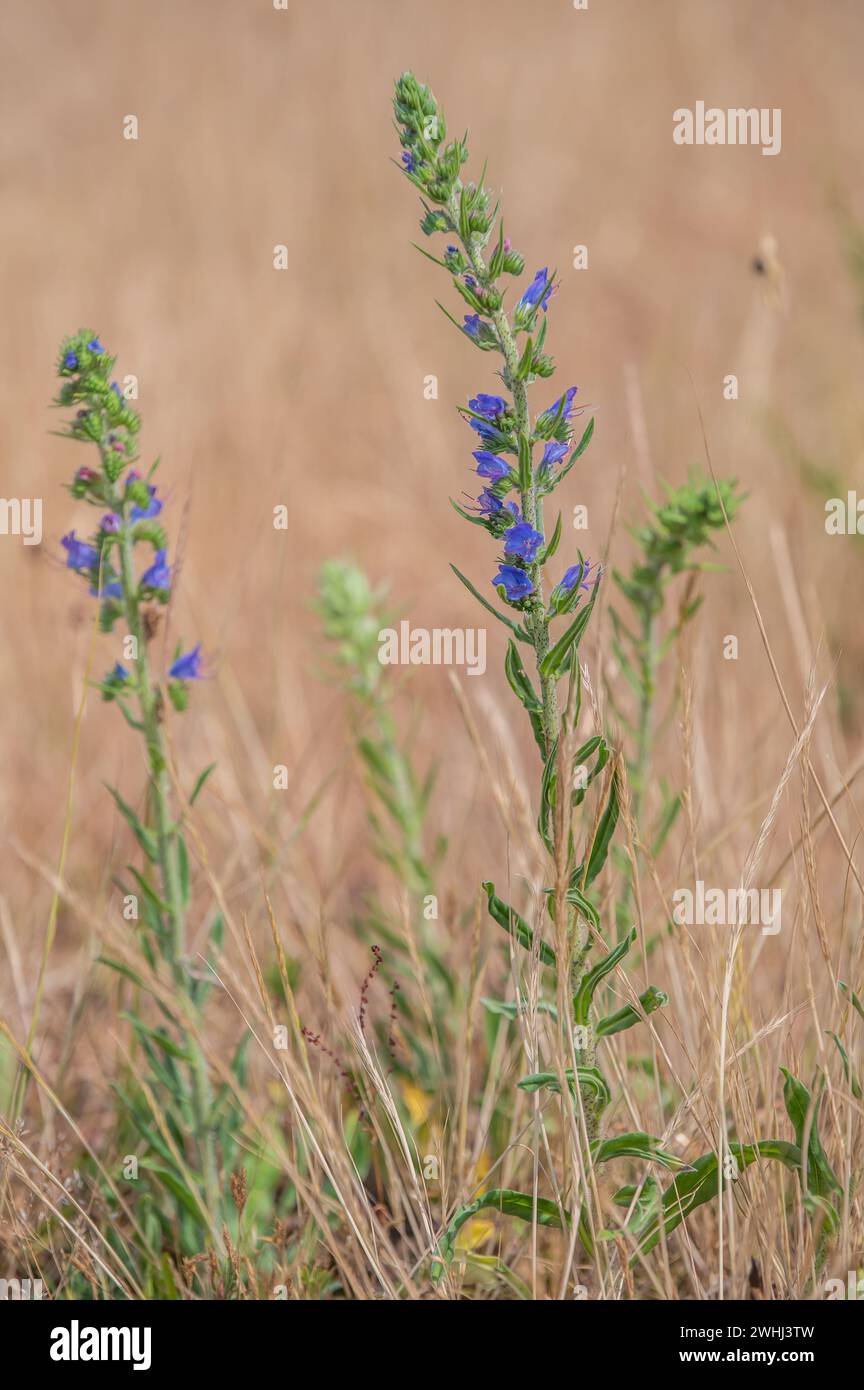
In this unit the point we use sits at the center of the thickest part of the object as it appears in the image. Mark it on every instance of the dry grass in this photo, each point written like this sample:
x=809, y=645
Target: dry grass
x=305, y=388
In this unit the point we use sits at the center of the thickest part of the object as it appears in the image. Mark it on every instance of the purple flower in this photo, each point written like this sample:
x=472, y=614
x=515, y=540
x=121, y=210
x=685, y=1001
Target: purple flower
x=119, y=674
x=79, y=555
x=552, y=454
x=538, y=292
x=452, y=250
x=409, y=161
x=471, y=326
x=523, y=542
x=158, y=576
x=490, y=465
x=85, y=476
x=470, y=282
x=110, y=523
x=70, y=361
x=188, y=666
x=515, y=583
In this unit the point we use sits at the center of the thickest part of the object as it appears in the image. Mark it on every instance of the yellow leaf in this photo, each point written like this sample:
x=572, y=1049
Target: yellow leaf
x=474, y=1233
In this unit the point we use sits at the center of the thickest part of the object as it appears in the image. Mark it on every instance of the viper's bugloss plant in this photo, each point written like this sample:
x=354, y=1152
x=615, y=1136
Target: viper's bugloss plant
x=521, y=459
x=667, y=547
x=124, y=564
x=353, y=614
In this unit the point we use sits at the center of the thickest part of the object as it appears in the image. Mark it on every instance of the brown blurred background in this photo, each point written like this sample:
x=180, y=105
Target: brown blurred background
x=305, y=387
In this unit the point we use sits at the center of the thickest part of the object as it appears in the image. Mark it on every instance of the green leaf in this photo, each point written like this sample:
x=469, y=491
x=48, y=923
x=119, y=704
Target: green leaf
x=515, y=925
x=510, y=1203
x=851, y=1079
x=512, y=1010
x=584, y=995
x=520, y=684
x=803, y=1111
x=520, y=633
x=161, y=1039
x=177, y=1188
x=146, y=839
x=552, y=544
x=587, y=1078
x=651, y=1000
x=605, y=831
x=637, y=1145
x=199, y=785
x=701, y=1183
x=577, y=452
x=557, y=659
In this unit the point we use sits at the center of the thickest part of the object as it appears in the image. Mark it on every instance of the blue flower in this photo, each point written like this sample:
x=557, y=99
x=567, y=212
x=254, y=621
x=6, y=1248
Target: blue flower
x=552, y=454
x=489, y=406
x=487, y=503
x=409, y=161
x=567, y=399
x=576, y=574
x=158, y=576
x=113, y=589
x=490, y=465
x=117, y=392
x=154, y=506
x=470, y=282
x=188, y=666
x=523, y=542
x=515, y=583
x=119, y=673
x=471, y=326
x=94, y=345
x=452, y=250
x=79, y=555
x=70, y=361
x=538, y=292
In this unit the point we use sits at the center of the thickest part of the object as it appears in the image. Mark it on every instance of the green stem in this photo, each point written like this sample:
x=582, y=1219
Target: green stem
x=150, y=705
x=532, y=505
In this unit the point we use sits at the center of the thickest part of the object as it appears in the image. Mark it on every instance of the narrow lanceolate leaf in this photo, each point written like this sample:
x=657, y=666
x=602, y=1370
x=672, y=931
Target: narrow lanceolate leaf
x=636, y=1145
x=577, y=452
x=584, y=995
x=651, y=1000
x=700, y=1184
x=587, y=1078
x=820, y=1178
x=552, y=544
x=605, y=831
x=515, y=925
x=520, y=684
x=557, y=659
x=851, y=1079
x=507, y=1009
x=145, y=837
x=199, y=784
x=520, y=633
x=510, y=1203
